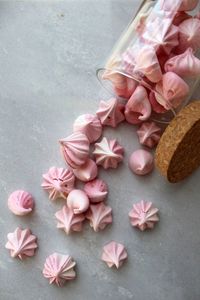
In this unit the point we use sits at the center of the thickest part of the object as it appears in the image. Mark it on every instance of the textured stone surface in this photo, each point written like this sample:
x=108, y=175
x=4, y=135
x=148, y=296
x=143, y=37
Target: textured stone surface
x=49, y=51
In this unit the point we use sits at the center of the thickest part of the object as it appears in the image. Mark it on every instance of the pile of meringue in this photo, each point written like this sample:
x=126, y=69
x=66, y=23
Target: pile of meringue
x=159, y=66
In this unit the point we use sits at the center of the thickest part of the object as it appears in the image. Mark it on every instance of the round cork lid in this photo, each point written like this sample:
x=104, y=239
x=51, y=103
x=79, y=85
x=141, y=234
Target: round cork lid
x=178, y=152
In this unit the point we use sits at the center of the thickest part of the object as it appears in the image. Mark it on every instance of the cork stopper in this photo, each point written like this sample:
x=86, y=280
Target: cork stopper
x=178, y=152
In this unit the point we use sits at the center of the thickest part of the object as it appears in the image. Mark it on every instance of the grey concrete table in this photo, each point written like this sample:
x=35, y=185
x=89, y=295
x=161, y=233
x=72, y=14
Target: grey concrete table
x=49, y=51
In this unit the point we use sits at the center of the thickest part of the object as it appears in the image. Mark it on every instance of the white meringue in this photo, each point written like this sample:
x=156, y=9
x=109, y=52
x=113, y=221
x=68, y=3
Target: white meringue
x=114, y=254
x=86, y=172
x=20, y=203
x=78, y=201
x=141, y=162
x=108, y=154
x=99, y=216
x=59, y=268
x=149, y=134
x=96, y=190
x=90, y=125
x=68, y=221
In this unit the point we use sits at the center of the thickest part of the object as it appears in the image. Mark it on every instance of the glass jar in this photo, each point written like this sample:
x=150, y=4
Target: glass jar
x=158, y=51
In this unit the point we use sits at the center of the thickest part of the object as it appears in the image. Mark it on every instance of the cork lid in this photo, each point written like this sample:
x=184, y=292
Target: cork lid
x=178, y=152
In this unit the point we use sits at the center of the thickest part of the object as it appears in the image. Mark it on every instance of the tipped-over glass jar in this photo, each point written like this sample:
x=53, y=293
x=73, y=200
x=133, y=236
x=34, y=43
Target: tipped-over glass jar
x=155, y=64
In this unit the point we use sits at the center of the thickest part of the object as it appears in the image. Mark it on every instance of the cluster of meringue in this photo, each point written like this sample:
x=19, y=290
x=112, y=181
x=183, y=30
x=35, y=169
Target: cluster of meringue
x=162, y=60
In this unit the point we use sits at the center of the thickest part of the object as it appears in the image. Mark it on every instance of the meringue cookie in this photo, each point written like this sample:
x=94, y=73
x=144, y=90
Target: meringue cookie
x=172, y=90
x=188, y=5
x=184, y=65
x=58, y=182
x=59, y=268
x=180, y=17
x=108, y=154
x=127, y=91
x=138, y=107
x=86, y=172
x=114, y=254
x=155, y=105
x=99, y=216
x=68, y=221
x=21, y=243
x=110, y=113
x=149, y=134
x=75, y=149
x=143, y=215
x=20, y=203
x=177, y=5
x=189, y=34
x=78, y=201
x=96, y=190
x=90, y=125
x=141, y=162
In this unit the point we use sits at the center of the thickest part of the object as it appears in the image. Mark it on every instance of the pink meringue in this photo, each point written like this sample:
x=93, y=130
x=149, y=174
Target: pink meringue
x=172, y=90
x=58, y=182
x=68, y=221
x=90, y=125
x=188, y=5
x=189, y=34
x=180, y=17
x=114, y=254
x=143, y=215
x=184, y=65
x=96, y=190
x=128, y=89
x=110, y=113
x=138, y=107
x=86, y=172
x=141, y=162
x=177, y=5
x=99, y=216
x=59, y=268
x=78, y=201
x=20, y=203
x=108, y=154
x=149, y=134
x=155, y=105
x=21, y=243
x=75, y=149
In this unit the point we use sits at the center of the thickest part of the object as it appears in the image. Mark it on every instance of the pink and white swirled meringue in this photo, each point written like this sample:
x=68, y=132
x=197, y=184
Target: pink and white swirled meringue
x=96, y=190
x=149, y=134
x=75, y=149
x=141, y=162
x=59, y=268
x=21, y=243
x=138, y=107
x=143, y=215
x=189, y=34
x=86, y=172
x=78, y=201
x=68, y=221
x=99, y=216
x=20, y=203
x=108, y=154
x=58, y=182
x=114, y=254
x=184, y=65
x=111, y=113
x=90, y=125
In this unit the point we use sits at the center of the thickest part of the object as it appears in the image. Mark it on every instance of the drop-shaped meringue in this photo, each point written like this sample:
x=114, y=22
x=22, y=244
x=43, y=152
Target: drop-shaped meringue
x=141, y=162
x=75, y=149
x=172, y=90
x=78, y=201
x=143, y=215
x=159, y=109
x=189, y=34
x=177, y=5
x=99, y=216
x=20, y=203
x=114, y=254
x=138, y=107
x=184, y=65
x=90, y=125
x=59, y=268
x=128, y=90
x=96, y=190
x=149, y=134
x=68, y=221
x=21, y=243
x=58, y=182
x=108, y=154
x=111, y=113
x=86, y=172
